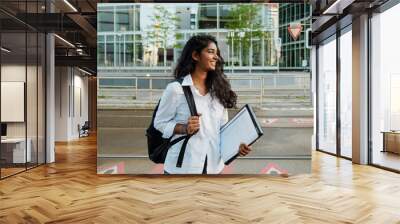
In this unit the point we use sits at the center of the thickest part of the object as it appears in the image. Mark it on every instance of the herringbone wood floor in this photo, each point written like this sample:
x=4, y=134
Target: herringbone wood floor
x=69, y=191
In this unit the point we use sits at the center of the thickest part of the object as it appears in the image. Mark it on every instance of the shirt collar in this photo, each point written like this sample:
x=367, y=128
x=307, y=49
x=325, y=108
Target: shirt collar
x=187, y=80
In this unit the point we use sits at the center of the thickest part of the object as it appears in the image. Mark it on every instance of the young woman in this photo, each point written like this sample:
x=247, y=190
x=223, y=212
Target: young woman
x=201, y=67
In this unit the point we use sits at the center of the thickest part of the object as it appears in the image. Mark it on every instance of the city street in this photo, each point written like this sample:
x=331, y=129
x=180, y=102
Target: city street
x=285, y=143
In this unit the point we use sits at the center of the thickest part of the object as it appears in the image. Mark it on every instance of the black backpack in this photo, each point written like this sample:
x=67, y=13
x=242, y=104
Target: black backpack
x=157, y=145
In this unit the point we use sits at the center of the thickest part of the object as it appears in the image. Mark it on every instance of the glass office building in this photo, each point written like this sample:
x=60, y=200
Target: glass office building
x=252, y=37
x=140, y=44
x=295, y=52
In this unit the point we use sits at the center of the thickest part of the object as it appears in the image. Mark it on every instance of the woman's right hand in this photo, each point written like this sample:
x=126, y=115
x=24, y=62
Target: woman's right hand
x=193, y=124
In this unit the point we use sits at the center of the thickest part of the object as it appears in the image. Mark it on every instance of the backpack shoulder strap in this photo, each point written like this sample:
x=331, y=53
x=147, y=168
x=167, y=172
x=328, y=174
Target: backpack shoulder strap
x=189, y=98
x=193, y=111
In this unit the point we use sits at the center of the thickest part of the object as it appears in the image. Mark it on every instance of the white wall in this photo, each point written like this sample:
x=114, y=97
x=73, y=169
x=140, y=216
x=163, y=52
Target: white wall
x=71, y=93
x=62, y=81
x=79, y=112
x=12, y=73
x=33, y=125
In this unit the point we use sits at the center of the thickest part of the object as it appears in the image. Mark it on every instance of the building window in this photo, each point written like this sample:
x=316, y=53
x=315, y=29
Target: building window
x=110, y=50
x=208, y=16
x=327, y=96
x=124, y=18
x=346, y=94
x=385, y=89
x=267, y=45
x=100, y=51
x=105, y=19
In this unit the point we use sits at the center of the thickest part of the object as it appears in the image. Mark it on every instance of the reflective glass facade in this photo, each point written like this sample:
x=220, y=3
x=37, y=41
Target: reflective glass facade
x=295, y=52
x=251, y=36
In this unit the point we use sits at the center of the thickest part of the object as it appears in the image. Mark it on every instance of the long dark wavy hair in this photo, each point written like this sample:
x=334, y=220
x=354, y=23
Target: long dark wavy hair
x=216, y=82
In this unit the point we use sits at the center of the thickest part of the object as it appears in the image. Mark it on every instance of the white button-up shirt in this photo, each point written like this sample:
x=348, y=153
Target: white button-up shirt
x=173, y=109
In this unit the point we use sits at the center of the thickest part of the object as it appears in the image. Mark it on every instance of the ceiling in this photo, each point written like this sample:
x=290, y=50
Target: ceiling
x=74, y=22
x=330, y=15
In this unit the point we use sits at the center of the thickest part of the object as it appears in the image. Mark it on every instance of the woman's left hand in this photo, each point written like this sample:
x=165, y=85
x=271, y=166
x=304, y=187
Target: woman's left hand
x=244, y=149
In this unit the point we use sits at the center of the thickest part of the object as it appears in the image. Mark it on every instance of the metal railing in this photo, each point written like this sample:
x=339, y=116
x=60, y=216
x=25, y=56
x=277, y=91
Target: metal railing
x=145, y=91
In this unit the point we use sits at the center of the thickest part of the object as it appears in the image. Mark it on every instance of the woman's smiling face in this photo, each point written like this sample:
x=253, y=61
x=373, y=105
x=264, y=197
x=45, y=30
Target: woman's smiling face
x=208, y=58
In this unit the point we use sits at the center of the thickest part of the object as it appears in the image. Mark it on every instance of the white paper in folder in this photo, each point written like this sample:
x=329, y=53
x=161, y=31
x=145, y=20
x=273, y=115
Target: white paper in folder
x=242, y=128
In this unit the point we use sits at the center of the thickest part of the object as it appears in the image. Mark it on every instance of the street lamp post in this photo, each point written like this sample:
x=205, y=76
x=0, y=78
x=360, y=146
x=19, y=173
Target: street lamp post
x=232, y=34
x=241, y=35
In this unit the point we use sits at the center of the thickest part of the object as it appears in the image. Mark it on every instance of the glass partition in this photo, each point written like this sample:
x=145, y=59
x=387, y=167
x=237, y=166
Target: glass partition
x=14, y=153
x=327, y=96
x=22, y=64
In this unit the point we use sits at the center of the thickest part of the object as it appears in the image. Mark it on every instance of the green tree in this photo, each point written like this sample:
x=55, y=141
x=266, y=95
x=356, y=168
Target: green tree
x=245, y=24
x=164, y=23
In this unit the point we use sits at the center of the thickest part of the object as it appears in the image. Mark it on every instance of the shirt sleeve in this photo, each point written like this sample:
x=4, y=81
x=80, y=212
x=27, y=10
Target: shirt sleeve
x=224, y=118
x=164, y=120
